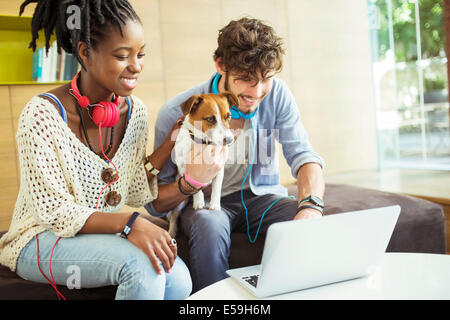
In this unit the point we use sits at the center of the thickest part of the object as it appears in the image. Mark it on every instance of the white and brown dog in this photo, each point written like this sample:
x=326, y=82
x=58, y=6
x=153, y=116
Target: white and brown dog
x=207, y=122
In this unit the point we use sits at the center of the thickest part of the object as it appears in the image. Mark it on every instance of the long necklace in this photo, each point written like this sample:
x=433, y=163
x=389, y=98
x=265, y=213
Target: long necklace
x=111, y=139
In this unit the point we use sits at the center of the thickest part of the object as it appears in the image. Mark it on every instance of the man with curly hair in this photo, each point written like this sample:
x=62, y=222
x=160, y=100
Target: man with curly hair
x=247, y=59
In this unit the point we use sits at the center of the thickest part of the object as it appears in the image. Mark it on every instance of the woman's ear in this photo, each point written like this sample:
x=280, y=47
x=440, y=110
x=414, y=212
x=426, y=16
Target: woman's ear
x=83, y=53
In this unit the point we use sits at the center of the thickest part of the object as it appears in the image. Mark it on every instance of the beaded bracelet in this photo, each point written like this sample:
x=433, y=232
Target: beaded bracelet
x=184, y=192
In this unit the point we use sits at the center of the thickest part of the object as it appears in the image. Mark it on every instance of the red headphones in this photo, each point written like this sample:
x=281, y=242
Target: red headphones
x=105, y=114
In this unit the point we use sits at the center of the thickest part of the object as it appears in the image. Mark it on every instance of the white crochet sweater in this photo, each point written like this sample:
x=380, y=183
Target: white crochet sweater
x=61, y=177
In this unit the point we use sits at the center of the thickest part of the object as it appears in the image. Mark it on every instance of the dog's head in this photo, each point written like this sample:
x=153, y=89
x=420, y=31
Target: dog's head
x=208, y=116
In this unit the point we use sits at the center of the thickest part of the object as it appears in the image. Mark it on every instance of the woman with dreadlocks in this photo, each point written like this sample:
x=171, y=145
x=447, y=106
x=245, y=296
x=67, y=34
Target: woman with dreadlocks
x=65, y=222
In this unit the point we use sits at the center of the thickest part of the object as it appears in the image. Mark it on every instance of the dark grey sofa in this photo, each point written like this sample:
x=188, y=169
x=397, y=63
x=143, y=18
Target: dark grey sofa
x=420, y=228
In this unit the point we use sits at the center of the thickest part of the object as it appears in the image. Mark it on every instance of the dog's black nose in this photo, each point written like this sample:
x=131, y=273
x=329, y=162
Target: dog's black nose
x=227, y=140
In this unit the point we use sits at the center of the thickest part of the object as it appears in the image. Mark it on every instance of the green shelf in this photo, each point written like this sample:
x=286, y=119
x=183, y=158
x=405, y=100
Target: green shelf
x=15, y=23
x=16, y=59
x=11, y=83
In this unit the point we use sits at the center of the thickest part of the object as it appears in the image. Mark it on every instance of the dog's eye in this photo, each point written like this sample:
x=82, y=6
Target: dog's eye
x=211, y=119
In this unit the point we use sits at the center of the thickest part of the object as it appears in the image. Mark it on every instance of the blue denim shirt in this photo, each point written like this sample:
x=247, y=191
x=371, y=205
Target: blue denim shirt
x=277, y=118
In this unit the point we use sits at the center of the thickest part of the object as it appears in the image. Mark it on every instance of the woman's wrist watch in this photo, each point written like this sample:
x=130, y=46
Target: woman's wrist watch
x=127, y=229
x=149, y=167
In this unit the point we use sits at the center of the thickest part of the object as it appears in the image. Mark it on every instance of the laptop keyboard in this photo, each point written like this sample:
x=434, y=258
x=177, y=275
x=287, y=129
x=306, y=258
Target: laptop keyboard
x=253, y=280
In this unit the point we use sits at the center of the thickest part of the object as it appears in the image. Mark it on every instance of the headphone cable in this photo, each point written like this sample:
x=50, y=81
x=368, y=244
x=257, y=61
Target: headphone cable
x=242, y=191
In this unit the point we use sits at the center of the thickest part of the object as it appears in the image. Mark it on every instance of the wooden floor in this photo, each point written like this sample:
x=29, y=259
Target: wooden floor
x=425, y=184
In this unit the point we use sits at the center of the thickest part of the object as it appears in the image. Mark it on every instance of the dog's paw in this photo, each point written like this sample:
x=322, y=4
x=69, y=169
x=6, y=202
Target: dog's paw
x=198, y=200
x=214, y=206
x=199, y=204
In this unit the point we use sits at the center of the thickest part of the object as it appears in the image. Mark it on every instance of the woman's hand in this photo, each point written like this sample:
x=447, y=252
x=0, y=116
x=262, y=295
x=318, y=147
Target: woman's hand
x=154, y=242
x=172, y=136
x=204, y=162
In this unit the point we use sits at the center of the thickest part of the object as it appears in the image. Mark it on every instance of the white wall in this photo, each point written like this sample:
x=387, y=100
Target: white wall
x=327, y=64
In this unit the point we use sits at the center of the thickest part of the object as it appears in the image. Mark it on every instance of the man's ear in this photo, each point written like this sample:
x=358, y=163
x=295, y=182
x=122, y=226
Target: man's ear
x=191, y=105
x=232, y=99
x=220, y=67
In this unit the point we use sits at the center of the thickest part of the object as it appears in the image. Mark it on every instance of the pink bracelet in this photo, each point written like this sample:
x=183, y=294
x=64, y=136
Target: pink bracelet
x=194, y=182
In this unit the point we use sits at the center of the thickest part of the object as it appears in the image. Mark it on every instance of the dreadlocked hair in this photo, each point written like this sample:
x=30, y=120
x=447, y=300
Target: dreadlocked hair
x=96, y=17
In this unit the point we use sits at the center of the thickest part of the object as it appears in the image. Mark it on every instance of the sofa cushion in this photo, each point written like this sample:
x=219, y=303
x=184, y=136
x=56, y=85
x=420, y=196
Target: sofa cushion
x=420, y=228
x=13, y=287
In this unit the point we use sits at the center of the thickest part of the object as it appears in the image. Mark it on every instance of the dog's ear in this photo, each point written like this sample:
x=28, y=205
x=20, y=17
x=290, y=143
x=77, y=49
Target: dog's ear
x=191, y=105
x=232, y=99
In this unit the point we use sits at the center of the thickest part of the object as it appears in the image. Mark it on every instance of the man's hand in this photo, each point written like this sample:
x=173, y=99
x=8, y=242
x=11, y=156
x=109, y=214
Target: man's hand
x=205, y=162
x=307, y=214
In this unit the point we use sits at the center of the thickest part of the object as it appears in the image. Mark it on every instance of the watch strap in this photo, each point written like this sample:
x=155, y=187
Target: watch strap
x=127, y=229
x=308, y=206
x=309, y=199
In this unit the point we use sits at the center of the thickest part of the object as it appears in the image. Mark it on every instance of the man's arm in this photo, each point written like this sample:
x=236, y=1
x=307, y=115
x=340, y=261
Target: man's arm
x=292, y=135
x=310, y=181
x=305, y=164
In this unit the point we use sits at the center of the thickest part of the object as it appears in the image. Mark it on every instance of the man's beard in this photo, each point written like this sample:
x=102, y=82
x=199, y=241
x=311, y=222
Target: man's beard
x=227, y=88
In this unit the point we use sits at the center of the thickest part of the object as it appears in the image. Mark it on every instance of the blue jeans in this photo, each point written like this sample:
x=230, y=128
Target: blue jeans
x=209, y=231
x=97, y=260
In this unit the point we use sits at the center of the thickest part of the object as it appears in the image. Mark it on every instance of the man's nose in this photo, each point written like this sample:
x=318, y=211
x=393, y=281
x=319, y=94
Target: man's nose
x=257, y=90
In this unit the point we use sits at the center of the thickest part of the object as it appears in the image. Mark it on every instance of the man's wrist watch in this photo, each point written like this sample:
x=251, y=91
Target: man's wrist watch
x=149, y=167
x=314, y=200
x=127, y=229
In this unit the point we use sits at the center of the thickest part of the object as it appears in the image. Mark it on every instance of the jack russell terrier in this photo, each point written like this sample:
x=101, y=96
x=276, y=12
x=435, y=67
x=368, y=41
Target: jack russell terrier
x=207, y=122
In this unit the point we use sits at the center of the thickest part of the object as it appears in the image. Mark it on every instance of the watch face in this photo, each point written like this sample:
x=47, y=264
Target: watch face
x=151, y=169
x=148, y=166
x=317, y=200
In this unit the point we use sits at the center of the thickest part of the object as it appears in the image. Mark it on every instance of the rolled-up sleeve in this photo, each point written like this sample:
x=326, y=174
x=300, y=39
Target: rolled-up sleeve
x=292, y=134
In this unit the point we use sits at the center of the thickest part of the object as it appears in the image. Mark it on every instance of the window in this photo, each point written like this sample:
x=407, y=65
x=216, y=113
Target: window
x=411, y=85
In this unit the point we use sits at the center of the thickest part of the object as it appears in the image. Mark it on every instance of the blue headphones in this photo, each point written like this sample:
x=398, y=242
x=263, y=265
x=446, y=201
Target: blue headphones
x=235, y=112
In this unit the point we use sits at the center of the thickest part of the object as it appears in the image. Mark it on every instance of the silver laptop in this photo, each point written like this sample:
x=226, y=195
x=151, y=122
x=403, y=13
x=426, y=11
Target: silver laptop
x=308, y=253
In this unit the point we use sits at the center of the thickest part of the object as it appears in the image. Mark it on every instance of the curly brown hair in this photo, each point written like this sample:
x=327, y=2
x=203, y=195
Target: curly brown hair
x=248, y=46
